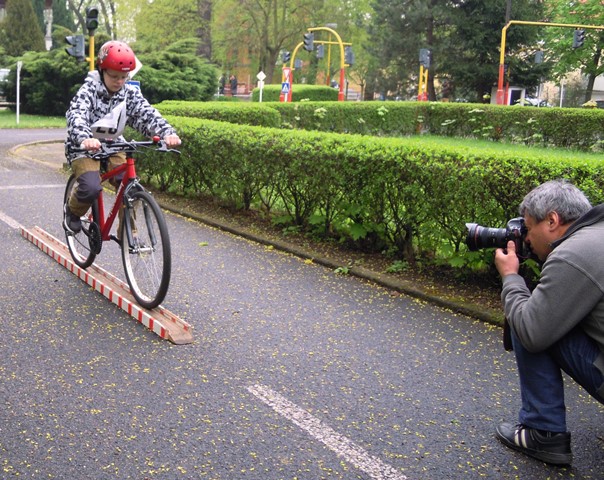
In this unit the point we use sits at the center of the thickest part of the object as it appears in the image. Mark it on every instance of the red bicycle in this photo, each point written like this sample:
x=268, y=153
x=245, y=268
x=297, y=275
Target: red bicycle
x=143, y=234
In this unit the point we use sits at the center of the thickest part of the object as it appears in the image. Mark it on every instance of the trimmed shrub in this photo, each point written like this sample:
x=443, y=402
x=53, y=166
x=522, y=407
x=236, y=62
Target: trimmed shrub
x=406, y=196
x=300, y=92
x=569, y=128
x=243, y=113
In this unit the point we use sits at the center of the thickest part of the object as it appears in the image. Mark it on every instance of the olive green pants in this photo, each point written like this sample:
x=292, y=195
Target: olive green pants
x=87, y=172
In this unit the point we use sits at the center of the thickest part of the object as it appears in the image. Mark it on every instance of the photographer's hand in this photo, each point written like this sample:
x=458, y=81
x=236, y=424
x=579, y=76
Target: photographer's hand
x=506, y=261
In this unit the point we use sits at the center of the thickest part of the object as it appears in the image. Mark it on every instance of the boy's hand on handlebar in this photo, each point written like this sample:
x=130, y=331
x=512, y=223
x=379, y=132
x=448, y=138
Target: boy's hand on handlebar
x=172, y=140
x=92, y=144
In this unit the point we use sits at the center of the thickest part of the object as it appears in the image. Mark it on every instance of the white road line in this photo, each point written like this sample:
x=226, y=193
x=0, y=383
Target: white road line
x=27, y=187
x=339, y=444
x=11, y=222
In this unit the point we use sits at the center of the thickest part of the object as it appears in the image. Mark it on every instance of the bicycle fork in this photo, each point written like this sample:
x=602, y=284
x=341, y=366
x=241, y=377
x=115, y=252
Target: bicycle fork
x=129, y=217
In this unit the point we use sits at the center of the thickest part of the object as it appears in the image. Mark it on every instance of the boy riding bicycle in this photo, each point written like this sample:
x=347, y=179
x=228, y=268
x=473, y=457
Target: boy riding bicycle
x=101, y=109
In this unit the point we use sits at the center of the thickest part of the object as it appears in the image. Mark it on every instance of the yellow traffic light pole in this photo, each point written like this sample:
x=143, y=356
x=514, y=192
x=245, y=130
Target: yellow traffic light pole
x=292, y=63
x=422, y=91
x=500, y=93
x=92, y=23
x=91, y=52
x=343, y=65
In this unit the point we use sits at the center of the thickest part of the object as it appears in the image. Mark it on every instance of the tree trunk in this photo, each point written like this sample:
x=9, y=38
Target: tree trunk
x=204, y=32
x=592, y=77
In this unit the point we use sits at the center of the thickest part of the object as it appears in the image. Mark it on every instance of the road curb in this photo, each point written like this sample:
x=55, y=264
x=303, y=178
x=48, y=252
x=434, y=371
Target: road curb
x=18, y=151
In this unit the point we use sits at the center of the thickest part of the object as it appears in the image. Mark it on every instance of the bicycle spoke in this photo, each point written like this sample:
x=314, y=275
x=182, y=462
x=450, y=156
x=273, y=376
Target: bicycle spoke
x=146, y=259
x=85, y=244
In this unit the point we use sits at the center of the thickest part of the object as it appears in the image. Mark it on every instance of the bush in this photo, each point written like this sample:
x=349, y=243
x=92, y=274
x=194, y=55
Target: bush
x=410, y=197
x=569, y=128
x=171, y=75
x=242, y=113
x=48, y=82
x=300, y=92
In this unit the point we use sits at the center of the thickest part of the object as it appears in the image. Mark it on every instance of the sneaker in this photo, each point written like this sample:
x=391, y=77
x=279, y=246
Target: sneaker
x=71, y=222
x=549, y=447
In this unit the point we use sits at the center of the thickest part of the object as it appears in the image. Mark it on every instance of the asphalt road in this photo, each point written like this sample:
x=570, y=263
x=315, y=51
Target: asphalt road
x=296, y=372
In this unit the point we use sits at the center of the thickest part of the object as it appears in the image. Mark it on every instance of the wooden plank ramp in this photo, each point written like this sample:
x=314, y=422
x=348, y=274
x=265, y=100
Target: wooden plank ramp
x=160, y=321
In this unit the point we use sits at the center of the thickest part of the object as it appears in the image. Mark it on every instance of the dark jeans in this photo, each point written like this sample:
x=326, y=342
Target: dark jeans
x=541, y=382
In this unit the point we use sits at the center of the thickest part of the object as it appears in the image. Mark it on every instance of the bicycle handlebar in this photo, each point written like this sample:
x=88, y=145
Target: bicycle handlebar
x=110, y=147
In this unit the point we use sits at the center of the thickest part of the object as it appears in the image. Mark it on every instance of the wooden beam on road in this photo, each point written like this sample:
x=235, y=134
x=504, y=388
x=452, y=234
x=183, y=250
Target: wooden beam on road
x=160, y=321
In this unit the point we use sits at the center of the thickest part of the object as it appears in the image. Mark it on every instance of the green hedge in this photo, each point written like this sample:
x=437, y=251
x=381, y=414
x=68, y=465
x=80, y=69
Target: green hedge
x=299, y=92
x=243, y=113
x=410, y=197
x=581, y=129
x=560, y=127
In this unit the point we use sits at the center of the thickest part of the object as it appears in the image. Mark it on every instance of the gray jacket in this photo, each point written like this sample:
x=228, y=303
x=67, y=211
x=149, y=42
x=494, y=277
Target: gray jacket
x=570, y=292
x=92, y=103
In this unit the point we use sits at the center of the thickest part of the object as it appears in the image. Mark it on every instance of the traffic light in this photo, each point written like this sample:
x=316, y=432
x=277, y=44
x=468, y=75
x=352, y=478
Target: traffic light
x=348, y=55
x=320, y=51
x=285, y=56
x=77, y=48
x=578, y=38
x=425, y=57
x=92, y=19
x=309, y=39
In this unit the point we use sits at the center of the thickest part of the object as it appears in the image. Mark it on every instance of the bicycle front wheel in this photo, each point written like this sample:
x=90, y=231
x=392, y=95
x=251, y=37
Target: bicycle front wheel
x=85, y=244
x=146, y=249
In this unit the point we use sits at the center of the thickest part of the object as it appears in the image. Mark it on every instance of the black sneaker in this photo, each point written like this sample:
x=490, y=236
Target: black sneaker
x=71, y=222
x=548, y=447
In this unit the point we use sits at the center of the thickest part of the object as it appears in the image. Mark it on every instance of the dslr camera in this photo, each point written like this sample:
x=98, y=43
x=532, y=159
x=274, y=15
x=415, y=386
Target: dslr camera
x=484, y=237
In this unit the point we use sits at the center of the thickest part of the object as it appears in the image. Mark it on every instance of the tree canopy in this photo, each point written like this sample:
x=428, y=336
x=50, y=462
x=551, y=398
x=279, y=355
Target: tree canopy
x=249, y=35
x=464, y=37
x=588, y=58
x=20, y=30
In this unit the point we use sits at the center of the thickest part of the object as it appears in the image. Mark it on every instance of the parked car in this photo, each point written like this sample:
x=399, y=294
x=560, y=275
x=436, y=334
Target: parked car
x=3, y=76
x=532, y=102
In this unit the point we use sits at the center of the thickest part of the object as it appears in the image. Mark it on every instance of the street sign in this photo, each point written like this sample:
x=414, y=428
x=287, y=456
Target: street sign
x=261, y=76
x=286, y=85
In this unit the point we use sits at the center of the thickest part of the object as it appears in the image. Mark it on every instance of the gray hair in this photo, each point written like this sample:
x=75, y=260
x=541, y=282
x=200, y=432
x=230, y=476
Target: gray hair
x=558, y=196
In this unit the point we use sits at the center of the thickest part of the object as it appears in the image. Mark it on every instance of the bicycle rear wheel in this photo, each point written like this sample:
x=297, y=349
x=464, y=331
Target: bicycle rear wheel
x=146, y=250
x=85, y=244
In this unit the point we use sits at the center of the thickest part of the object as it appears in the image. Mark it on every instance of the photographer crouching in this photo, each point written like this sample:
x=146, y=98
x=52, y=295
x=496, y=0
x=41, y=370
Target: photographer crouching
x=559, y=326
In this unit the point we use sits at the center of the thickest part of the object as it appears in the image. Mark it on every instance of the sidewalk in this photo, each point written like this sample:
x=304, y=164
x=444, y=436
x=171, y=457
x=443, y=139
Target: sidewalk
x=49, y=153
x=52, y=154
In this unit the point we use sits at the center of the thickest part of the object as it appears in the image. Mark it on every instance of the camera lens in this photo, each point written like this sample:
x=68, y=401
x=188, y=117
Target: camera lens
x=484, y=237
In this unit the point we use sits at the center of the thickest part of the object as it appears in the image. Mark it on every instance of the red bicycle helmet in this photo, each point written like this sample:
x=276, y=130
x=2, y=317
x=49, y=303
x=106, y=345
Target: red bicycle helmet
x=116, y=55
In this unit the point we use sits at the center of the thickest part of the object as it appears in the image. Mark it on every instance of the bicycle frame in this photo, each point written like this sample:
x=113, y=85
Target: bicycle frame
x=105, y=223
